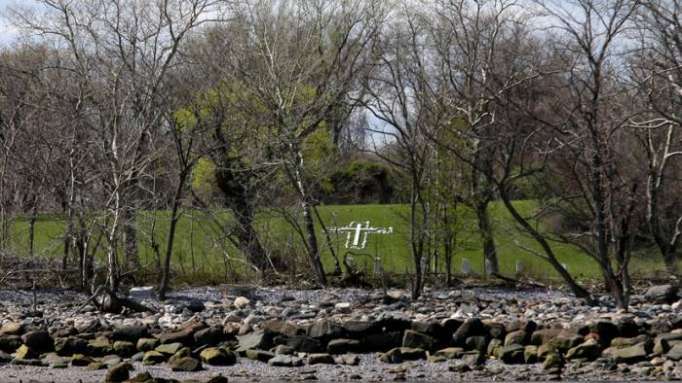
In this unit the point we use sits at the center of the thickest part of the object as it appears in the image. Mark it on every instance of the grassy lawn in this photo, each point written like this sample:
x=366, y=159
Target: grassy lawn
x=203, y=254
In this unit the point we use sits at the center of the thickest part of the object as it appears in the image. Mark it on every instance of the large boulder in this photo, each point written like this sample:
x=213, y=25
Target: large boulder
x=218, y=357
x=325, y=330
x=38, y=340
x=184, y=335
x=209, y=336
x=343, y=346
x=69, y=346
x=662, y=294
x=118, y=373
x=470, y=327
x=185, y=363
x=589, y=350
x=632, y=354
x=257, y=340
x=513, y=354
x=130, y=333
x=675, y=353
x=414, y=339
x=402, y=354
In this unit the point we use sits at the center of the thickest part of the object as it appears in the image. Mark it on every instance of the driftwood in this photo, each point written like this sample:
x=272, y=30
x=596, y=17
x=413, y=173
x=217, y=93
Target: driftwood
x=107, y=301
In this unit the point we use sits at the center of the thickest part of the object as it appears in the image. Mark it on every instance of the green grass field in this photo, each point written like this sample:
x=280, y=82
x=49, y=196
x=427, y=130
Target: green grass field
x=202, y=254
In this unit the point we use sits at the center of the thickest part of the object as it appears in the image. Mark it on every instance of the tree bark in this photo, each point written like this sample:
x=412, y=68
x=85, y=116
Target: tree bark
x=487, y=238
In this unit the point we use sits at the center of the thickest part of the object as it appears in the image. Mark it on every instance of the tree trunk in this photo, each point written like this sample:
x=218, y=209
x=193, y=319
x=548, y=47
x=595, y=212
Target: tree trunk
x=175, y=216
x=32, y=228
x=485, y=228
x=308, y=222
x=129, y=228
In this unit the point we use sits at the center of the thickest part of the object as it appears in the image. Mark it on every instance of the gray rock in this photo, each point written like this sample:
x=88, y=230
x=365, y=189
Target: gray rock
x=513, y=354
x=414, y=339
x=285, y=361
x=661, y=294
x=675, y=353
x=343, y=346
x=118, y=373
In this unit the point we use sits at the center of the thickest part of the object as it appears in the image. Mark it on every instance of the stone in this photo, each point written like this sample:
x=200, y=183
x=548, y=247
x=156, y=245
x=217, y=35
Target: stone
x=325, y=330
x=530, y=354
x=130, y=333
x=118, y=373
x=675, y=353
x=25, y=352
x=540, y=337
x=664, y=342
x=186, y=363
x=10, y=343
x=254, y=340
x=259, y=355
x=283, y=349
x=209, y=336
x=143, y=377
x=169, y=348
x=478, y=343
x=344, y=307
x=301, y=343
x=473, y=358
x=661, y=294
x=606, y=331
x=71, y=345
x=218, y=357
x=513, y=354
x=80, y=360
x=343, y=346
x=99, y=347
x=459, y=366
x=589, y=350
x=414, y=339
x=39, y=340
x=147, y=344
x=516, y=337
x=12, y=328
x=153, y=357
x=241, y=302
x=553, y=361
x=124, y=348
x=348, y=360
x=217, y=379
x=285, y=361
x=470, y=327
x=632, y=354
x=621, y=342
x=450, y=352
x=94, y=366
x=401, y=354
x=319, y=359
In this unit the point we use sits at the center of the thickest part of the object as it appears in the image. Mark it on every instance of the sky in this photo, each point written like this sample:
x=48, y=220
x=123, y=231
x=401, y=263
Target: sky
x=7, y=32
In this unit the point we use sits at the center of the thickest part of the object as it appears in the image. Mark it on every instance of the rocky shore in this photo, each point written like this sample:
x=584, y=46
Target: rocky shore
x=239, y=333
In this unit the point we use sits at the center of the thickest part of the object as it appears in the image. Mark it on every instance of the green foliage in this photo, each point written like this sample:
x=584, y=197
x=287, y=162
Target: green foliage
x=203, y=178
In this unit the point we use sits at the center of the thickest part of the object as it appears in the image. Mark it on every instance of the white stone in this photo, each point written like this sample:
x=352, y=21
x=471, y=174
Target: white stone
x=241, y=302
x=344, y=307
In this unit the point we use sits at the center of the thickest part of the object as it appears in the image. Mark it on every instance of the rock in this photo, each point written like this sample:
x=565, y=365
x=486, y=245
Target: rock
x=153, y=357
x=301, y=343
x=459, y=366
x=119, y=372
x=414, y=339
x=513, y=354
x=530, y=354
x=217, y=379
x=186, y=363
x=10, y=343
x=662, y=294
x=69, y=346
x=516, y=337
x=99, y=347
x=553, y=361
x=124, y=348
x=606, y=331
x=80, y=360
x=325, y=330
x=147, y=344
x=450, y=352
x=12, y=328
x=39, y=340
x=25, y=352
x=111, y=360
x=473, y=358
x=589, y=350
x=94, y=366
x=348, y=360
x=143, y=377
x=343, y=346
x=209, y=336
x=621, y=342
x=470, y=327
x=285, y=361
x=401, y=354
x=283, y=349
x=241, y=302
x=494, y=346
x=664, y=342
x=344, y=307
x=544, y=336
x=632, y=354
x=259, y=355
x=254, y=340
x=218, y=357
x=184, y=336
x=478, y=343
x=675, y=353
x=320, y=359
x=169, y=348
